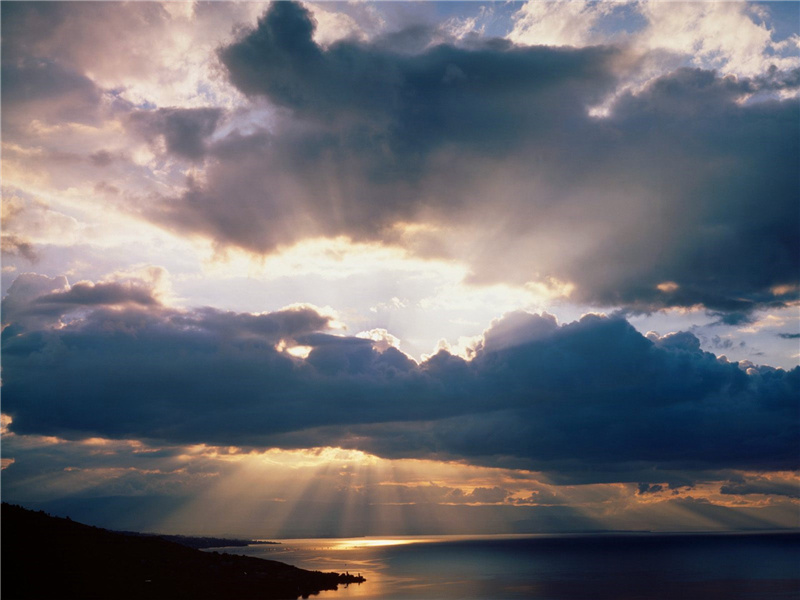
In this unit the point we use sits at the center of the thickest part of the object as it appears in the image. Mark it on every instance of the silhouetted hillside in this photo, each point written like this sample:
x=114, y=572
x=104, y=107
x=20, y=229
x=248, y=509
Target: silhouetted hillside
x=48, y=557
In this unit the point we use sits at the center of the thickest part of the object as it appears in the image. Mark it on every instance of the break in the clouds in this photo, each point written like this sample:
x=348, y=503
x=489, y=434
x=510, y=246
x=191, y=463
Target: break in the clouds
x=589, y=397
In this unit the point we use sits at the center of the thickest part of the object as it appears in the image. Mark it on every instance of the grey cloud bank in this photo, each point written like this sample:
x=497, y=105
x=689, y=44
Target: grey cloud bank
x=683, y=183
x=592, y=395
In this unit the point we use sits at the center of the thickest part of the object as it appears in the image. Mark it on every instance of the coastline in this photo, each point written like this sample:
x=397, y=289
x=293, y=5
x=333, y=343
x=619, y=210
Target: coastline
x=88, y=562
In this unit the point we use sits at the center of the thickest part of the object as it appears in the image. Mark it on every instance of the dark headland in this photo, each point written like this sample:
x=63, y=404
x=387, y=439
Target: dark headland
x=48, y=557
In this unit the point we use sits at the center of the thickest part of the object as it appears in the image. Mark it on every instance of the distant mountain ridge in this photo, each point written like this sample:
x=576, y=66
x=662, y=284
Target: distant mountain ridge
x=199, y=542
x=48, y=557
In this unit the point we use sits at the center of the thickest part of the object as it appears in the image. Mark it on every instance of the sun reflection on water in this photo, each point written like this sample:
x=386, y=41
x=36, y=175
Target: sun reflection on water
x=355, y=543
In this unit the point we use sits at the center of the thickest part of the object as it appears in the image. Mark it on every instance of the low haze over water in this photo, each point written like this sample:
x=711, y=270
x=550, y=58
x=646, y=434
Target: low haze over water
x=555, y=567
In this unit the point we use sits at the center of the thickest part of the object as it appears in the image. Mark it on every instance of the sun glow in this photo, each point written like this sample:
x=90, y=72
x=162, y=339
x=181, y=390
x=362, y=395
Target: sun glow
x=356, y=543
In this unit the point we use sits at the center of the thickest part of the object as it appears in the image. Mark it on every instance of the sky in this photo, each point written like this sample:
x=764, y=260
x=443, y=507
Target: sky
x=356, y=268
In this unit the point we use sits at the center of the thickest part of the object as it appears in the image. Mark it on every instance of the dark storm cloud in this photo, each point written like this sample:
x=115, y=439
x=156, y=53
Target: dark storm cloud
x=593, y=395
x=683, y=183
x=184, y=130
x=725, y=248
x=418, y=96
x=781, y=486
x=367, y=122
x=789, y=336
x=733, y=318
x=597, y=395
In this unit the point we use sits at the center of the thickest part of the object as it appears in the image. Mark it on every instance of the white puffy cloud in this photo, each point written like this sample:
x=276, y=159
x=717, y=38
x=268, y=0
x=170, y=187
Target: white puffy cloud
x=565, y=23
x=733, y=37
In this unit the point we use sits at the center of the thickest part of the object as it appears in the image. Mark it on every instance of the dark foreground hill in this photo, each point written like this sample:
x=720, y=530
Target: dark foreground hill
x=47, y=557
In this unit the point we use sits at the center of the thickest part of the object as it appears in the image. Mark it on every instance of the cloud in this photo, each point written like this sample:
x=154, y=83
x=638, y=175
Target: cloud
x=774, y=485
x=433, y=493
x=16, y=246
x=487, y=495
x=561, y=23
x=17, y=309
x=47, y=91
x=481, y=151
x=408, y=99
x=516, y=328
x=35, y=301
x=288, y=323
x=153, y=54
x=592, y=396
x=734, y=37
x=666, y=188
x=107, y=294
x=649, y=488
x=102, y=158
x=734, y=318
x=184, y=130
x=789, y=336
x=368, y=121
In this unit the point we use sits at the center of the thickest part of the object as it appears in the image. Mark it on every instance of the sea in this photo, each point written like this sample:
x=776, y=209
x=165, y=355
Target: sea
x=599, y=566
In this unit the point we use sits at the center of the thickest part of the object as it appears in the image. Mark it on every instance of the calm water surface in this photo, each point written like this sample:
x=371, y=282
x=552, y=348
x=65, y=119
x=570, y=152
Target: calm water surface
x=555, y=567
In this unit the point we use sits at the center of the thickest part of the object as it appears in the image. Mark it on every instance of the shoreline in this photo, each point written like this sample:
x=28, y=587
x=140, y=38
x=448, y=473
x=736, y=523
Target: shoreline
x=88, y=562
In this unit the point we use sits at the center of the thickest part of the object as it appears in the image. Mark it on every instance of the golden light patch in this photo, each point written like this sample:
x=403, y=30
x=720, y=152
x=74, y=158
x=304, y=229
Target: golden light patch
x=96, y=441
x=551, y=288
x=353, y=544
x=411, y=228
x=5, y=421
x=299, y=351
x=781, y=290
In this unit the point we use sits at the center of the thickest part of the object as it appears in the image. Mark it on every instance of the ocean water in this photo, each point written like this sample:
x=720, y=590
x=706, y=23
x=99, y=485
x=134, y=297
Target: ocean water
x=555, y=567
